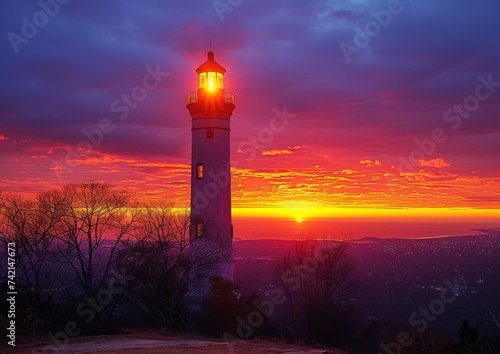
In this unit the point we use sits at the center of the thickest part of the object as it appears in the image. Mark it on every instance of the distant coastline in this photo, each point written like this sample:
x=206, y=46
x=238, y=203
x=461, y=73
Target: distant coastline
x=376, y=239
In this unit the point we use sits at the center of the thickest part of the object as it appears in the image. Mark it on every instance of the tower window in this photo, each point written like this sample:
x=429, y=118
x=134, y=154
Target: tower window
x=220, y=82
x=199, y=170
x=199, y=229
x=211, y=80
x=210, y=134
x=203, y=80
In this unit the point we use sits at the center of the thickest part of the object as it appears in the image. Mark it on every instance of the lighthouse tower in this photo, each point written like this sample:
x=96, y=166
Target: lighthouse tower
x=211, y=108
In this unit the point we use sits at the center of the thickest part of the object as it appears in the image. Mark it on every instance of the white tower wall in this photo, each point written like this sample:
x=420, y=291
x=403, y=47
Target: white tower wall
x=211, y=195
x=211, y=108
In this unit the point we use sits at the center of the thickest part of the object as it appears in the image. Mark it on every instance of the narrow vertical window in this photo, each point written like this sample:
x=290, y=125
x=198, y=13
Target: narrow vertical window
x=220, y=82
x=210, y=134
x=199, y=170
x=211, y=80
x=199, y=229
x=203, y=80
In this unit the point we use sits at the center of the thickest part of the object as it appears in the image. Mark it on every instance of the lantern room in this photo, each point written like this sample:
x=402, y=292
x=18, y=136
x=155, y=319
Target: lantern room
x=210, y=74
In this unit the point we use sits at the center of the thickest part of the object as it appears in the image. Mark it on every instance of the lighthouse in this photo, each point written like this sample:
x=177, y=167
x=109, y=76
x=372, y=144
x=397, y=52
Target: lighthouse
x=210, y=108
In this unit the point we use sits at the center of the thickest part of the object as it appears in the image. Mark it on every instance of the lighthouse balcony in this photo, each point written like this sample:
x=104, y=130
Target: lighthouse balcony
x=193, y=97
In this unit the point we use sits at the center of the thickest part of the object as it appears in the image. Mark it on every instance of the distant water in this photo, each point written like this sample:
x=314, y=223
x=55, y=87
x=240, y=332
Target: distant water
x=248, y=228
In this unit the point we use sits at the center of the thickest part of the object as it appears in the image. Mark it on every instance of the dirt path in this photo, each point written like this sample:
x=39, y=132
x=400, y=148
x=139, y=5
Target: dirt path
x=128, y=344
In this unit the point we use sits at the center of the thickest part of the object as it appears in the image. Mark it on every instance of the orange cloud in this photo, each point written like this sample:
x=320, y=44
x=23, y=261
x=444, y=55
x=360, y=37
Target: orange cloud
x=439, y=163
x=275, y=152
x=348, y=171
x=370, y=163
x=106, y=159
x=3, y=137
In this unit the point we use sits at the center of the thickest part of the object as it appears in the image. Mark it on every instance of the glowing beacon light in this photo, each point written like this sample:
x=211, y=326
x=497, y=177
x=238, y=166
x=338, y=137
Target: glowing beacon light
x=211, y=83
x=211, y=74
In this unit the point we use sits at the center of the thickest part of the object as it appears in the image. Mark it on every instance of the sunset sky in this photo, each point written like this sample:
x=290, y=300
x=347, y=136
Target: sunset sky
x=359, y=124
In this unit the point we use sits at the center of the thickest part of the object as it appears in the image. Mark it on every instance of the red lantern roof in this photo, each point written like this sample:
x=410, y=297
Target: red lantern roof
x=210, y=65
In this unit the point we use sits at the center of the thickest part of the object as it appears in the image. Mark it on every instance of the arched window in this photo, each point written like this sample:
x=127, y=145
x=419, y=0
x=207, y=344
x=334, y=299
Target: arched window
x=199, y=170
x=199, y=229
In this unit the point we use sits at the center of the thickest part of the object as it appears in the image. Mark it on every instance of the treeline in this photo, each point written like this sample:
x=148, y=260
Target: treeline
x=88, y=253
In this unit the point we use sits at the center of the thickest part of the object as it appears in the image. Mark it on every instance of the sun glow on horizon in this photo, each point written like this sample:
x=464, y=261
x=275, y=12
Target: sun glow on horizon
x=299, y=215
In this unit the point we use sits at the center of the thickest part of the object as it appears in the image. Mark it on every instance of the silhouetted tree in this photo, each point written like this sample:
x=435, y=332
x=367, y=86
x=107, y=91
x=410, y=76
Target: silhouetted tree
x=319, y=279
x=231, y=314
x=93, y=219
x=492, y=340
x=30, y=225
x=66, y=240
x=469, y=340
x=167, y=274
x=284, y=267
x=223, y=307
